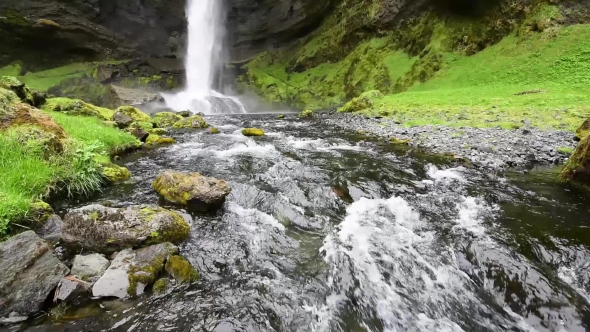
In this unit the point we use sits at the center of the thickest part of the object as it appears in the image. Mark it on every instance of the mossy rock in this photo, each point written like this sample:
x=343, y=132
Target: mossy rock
x=281, y=116
x=165, y=119
x=192, y=189
x=115, y=173
x=181, y=269
x=157, y=139
x=135, y=113
x=7, y=98
x=577, y=168
x=161, y=285
x=22, y=114
x=398, y=141
x=39, y=213
x=252, y=132
x=89, y=90
x=363, y=102
x=158, y=131
x=306, y=114
x=185, y=114
x=147, y=264
x=214, y=131
x=26, y=95
x=195, y=121
x=583, y=130
x=38, y=141
x=78, y=107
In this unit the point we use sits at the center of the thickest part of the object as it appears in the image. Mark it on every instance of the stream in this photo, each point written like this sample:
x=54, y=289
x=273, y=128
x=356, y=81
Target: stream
x=328, y=231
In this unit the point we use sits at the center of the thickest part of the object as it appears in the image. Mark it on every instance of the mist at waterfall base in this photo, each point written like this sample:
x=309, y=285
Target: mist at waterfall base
x=202, y=62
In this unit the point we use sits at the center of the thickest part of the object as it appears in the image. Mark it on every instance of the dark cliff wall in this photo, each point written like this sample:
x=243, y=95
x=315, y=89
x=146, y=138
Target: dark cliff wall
x=46, y=33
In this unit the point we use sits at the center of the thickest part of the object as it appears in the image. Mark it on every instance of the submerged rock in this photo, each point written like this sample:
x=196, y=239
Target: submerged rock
x=193, y=189
x=106, y=230
x=133, y=270
x=157, y=139
x=195, y=121
x=89, y=267
x=577, y=168
x=252, y=132
x=165, y=119
x=30, y=271
x=181, y=269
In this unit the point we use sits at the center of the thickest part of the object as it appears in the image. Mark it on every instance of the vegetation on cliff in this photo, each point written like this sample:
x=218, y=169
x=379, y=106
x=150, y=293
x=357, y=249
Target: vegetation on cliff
x=519, y=62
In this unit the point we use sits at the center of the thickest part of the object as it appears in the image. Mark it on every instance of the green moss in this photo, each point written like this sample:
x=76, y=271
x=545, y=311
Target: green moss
x=177, y=232
x=156, y=139
x=280, y=116
x=165, y=119
x=565, y=150
x=181, y=269
x=39, y=212
x=161, y=285
x=252, y=132
x=115, y=173
x=158, y=131
x=135, y=114
x=577, y=169
x=7, y=98
x=306, y=114
x=46, y=79
x=214, y=131
x=13, y=69
x=583, y=130
x=363, y=102
x=77, y=107
x=195, y=121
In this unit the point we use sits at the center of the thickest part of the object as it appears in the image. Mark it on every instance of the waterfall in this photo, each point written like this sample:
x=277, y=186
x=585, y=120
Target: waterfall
x=202, y=62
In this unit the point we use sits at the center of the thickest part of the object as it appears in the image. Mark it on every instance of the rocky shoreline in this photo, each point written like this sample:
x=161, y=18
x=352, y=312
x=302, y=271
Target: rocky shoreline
x=488, y=148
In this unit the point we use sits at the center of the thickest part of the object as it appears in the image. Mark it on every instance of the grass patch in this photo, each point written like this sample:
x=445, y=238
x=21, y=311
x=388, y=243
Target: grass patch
x=29, y=174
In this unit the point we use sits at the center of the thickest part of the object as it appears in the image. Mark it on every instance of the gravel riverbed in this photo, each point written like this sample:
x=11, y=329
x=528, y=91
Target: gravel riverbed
x=491, y=148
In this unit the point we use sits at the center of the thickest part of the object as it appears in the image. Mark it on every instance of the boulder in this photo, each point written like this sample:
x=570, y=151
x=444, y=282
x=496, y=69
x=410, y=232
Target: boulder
x=25, y=115
x=71, y=289
x=194, y=121
x=306, y=114
x=26, y=95
x=363, y=102
x=122, y=120
x=50, y=231
x=157, y=140
x=130, y=96
x=185, y=114
x=114, y=173
x=577, y=168
x=106, y=230
x=30, y=272
x=134, y=113
x=89, y=90
x=7, y=99
x=192, y=189
x=133, y=270
x=165, y=119
x=181, y=269
x=252, y=132
x=89, y=267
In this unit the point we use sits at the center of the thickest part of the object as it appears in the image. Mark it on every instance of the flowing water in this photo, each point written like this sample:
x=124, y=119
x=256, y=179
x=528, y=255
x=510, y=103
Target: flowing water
x=202, y=63
x=325, y=231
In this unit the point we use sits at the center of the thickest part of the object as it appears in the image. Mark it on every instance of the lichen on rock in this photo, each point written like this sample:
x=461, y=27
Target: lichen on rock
x=194, y=121
x=252, y=132
x=165, y=119
x=181, y=269
x=106, y=230
x=192, y=189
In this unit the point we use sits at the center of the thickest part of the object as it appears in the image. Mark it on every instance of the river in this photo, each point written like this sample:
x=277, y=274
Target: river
x=328, y=231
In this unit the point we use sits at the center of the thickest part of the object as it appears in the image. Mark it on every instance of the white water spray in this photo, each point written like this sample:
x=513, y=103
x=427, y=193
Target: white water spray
x=201, y=63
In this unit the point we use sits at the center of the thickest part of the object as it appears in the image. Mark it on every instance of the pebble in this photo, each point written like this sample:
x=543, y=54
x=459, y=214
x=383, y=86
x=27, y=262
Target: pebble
x=490, y=148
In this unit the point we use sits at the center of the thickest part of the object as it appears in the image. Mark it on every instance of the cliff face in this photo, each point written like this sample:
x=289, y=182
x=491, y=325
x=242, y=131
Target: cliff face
x=46, y=33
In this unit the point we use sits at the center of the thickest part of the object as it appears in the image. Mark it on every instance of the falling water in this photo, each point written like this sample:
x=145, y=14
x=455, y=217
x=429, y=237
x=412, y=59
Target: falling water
x=202, y=62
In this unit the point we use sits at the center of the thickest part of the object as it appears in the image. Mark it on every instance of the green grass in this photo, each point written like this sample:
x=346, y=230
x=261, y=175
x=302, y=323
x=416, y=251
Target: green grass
x=29, y=175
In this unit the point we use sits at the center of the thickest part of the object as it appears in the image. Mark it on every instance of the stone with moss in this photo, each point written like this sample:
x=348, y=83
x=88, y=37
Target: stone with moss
x=7, y=99
x=397, y=141
x=306, y=114
x=131, y=271
x=22, y=114
x=252, y=132
x=158, y=131
x=281, y=116
x=181, y=269
x=37, y=141
x=114, y=173
x=161, y=285
x=105, y=230
x=26, y=95
x=577, y=168
x=192, y=189
x=165, y=119
x=185, y=114
x=39, y=213
x=157, y=140
x=214, y=131
x=78, y=107
x=363, y=102
x=134, y=113
x=195, y=121
x=583, y=130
